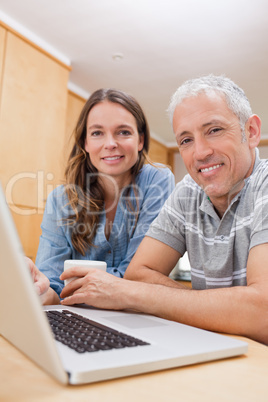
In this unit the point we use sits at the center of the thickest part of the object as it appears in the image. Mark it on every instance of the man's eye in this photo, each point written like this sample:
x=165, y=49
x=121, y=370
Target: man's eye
x=215, y=130
x=185, y=141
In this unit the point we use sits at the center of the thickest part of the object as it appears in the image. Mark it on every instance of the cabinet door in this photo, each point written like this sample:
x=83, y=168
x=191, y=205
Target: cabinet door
x=158, y=152
x=2, y=51
x=75, y=105
x=32, y=123
x=29, y=231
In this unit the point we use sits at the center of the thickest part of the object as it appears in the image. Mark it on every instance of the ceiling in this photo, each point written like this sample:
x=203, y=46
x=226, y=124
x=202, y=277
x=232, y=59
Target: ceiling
x=149, y=47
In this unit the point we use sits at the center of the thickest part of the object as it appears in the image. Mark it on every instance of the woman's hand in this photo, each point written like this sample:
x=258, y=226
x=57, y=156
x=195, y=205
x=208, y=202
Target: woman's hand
x=94, y=287
x=41, y=282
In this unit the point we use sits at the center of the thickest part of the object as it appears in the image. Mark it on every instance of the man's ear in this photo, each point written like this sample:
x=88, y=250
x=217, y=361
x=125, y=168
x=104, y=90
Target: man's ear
x=253, y=130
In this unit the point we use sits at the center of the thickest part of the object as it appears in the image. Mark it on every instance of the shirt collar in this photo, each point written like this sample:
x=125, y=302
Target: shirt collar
x=256, y=164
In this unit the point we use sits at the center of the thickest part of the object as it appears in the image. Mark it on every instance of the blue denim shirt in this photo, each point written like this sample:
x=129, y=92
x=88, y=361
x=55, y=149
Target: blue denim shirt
x=153, y=184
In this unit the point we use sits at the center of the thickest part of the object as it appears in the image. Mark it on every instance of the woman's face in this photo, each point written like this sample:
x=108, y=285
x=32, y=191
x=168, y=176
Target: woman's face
x=112, y=140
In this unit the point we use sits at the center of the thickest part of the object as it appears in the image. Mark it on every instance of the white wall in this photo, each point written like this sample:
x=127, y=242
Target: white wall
x=263, y=152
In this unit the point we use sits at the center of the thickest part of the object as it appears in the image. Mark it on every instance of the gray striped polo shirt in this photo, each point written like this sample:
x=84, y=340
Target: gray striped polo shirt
x=217, y=248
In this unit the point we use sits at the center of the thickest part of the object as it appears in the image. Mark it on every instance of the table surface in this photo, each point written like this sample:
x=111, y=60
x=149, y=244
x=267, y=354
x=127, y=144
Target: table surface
x=243, y=378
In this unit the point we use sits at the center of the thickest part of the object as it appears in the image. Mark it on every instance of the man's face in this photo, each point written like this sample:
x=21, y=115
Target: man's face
x=214, y=152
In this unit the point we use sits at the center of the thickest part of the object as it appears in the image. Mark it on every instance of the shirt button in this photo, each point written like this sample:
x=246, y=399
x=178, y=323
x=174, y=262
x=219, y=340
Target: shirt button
x=222, y=237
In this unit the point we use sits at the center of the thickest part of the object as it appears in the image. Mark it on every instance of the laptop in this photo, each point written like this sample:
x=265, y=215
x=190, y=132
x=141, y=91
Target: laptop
x=149, y=343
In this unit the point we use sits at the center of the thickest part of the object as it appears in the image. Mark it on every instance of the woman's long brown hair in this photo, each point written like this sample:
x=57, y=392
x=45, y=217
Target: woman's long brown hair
x=84, y=191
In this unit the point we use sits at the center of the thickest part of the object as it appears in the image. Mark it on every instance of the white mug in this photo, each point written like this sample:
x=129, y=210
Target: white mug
x=83, y=263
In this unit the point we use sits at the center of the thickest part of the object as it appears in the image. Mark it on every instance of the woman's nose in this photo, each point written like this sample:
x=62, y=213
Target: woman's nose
x=110, y=142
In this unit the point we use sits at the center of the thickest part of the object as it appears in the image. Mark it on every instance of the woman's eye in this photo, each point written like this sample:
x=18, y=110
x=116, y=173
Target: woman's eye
x=124, y=133
x=95, y=133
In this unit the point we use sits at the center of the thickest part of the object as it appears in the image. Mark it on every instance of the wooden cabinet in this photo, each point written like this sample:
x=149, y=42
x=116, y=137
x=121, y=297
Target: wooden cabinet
x=29, y=229
x=32, y=122
x=2, y=52
x=158, y=152
x=33, y=107
x=75, y=105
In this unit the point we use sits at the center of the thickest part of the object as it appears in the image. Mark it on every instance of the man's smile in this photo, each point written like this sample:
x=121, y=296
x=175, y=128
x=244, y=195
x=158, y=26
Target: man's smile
x=210, y=168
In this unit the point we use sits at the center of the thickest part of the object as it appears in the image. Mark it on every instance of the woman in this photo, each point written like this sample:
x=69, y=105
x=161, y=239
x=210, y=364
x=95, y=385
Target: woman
x=110, y=196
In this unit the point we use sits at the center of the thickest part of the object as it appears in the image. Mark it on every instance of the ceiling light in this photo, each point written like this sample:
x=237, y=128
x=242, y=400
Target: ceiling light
x=118, y=56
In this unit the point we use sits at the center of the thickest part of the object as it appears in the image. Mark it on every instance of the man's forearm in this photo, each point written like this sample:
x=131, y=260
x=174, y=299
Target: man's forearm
x=148, y=275
x=236, y=310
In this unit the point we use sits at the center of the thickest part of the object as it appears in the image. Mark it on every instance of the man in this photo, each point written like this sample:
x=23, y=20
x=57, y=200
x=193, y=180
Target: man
x=218, y=214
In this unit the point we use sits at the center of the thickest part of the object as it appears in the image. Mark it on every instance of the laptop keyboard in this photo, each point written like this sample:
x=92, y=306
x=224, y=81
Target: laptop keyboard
x=84, y=335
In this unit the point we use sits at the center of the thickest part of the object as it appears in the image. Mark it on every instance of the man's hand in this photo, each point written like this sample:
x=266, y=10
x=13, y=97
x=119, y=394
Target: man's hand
x=41, y=282
x=94, y=287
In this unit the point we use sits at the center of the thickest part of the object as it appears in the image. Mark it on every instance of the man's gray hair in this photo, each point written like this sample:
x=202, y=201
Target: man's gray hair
x=235, y=97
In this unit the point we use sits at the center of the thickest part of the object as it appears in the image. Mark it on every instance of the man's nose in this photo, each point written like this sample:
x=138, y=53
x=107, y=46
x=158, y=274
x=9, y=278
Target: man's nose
x=202, y=149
